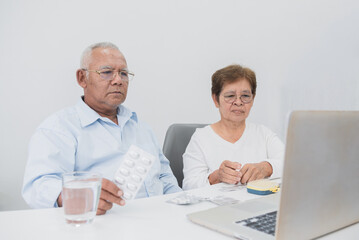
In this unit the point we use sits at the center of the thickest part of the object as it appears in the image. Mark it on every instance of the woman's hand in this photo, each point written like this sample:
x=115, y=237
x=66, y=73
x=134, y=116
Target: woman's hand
x=228, y=172
x=254, y=171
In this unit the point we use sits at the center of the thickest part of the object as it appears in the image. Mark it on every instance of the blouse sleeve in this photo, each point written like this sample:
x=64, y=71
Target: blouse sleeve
x=195, y=167
x=275, y=153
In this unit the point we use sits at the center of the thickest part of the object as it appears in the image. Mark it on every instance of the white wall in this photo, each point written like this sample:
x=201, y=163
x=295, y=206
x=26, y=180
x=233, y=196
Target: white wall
x=305, y=54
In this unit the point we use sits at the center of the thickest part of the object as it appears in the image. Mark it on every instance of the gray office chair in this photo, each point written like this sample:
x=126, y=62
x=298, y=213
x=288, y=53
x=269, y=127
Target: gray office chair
x=175, y=144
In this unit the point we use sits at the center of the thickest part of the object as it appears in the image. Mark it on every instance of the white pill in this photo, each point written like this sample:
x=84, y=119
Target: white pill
x=146, y=161
x=125, y=172
x=120, y=180
x=127, y=195
x=134, y=155
x=130, y=163
x=141, y=170
x=136, y=178
x=131, y=186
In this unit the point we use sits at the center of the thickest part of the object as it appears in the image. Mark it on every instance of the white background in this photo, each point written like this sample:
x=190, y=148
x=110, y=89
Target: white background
x=305, y=55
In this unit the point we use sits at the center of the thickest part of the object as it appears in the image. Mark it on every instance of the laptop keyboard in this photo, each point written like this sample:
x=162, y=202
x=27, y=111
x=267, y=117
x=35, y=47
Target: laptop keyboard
x=264, y=223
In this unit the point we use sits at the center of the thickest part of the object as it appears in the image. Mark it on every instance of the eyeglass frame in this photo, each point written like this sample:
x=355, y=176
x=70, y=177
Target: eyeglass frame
x=239, y=97
x=113, y=76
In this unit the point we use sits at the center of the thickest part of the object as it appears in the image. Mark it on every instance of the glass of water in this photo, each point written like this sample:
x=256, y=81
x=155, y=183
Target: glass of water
x=80, y=196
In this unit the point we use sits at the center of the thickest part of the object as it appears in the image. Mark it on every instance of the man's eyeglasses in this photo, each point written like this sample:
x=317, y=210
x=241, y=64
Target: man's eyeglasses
x=110, y=74
x=231, y=97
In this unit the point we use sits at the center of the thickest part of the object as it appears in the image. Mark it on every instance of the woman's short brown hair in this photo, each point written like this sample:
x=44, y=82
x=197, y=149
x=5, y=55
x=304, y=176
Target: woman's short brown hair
x=230, y=74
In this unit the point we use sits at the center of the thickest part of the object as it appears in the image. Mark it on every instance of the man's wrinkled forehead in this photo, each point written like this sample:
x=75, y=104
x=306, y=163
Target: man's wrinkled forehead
x=107, y=57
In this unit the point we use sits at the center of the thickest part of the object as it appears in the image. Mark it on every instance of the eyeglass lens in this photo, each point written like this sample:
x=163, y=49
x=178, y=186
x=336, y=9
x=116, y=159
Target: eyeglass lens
x=111, y=74
x=231, y=98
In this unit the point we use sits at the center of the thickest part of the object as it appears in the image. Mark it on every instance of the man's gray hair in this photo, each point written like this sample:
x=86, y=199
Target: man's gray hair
x=87, y=52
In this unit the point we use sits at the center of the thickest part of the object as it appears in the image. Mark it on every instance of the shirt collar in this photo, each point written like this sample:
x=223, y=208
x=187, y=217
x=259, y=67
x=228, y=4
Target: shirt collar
x=88, y=116
x=124, y=114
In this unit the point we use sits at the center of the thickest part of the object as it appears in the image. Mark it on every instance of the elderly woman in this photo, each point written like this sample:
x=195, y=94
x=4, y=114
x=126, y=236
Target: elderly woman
x=232, y=150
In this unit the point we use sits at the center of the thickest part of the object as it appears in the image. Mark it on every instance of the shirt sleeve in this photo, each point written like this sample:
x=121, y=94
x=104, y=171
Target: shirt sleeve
x=195, y=168
x=165, y=181
x=51, y=153
x=275, y=153
x=169, y=181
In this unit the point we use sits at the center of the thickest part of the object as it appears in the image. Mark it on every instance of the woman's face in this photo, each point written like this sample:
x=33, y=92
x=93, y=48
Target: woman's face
x=235, y=101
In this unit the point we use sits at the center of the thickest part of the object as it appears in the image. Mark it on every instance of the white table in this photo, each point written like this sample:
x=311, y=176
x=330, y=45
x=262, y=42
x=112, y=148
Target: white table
x=149, y=218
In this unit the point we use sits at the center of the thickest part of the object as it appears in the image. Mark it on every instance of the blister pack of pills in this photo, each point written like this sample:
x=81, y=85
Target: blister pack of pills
x=133, y=171
x=187, y=199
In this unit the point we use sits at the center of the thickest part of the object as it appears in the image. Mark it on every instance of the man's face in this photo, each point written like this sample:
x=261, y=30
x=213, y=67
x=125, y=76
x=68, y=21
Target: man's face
x=104, y=96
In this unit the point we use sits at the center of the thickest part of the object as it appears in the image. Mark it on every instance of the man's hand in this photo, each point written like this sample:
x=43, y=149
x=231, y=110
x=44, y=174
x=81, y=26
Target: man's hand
x=254, y=171
x=227, y=172
x=110, y=194
x=59, y=200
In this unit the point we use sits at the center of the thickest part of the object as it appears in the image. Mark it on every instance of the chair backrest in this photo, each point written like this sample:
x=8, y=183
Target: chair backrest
x=177, y=138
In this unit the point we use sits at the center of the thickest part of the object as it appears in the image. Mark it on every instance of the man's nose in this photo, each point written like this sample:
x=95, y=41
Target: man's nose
x=117, y=78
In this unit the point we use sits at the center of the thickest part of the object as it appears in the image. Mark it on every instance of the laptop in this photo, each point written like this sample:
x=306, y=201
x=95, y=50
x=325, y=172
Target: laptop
x=319, y=192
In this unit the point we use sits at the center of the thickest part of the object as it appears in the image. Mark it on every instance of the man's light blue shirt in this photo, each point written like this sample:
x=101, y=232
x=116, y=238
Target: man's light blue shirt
x=79, y=139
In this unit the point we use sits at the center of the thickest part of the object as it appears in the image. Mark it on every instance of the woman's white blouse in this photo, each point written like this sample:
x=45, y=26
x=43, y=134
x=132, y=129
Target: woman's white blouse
x=207, y=150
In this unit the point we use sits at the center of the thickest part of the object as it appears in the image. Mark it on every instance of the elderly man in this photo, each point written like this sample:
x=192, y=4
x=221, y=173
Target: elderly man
x=93, y=135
